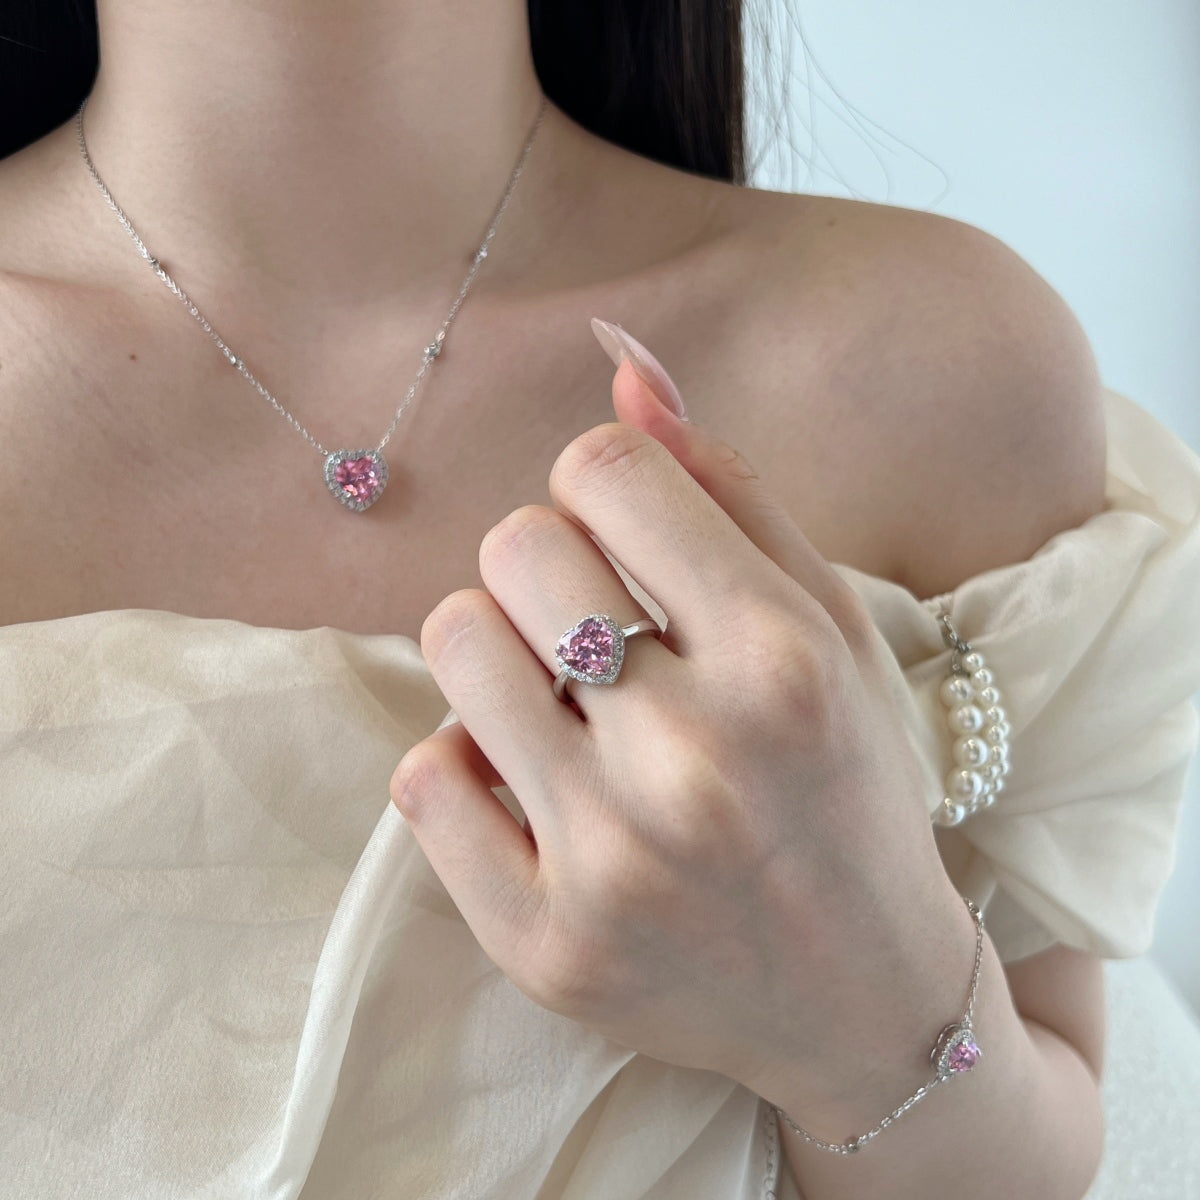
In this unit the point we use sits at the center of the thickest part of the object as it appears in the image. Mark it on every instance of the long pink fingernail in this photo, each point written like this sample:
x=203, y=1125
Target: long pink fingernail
x=620, y=345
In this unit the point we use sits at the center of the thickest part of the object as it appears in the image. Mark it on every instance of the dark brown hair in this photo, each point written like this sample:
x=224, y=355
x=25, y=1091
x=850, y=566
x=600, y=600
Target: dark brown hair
x=663, y=78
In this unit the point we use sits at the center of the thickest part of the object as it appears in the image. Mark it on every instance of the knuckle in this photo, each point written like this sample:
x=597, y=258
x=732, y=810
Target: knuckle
x=707, y=821
x=417, y=780
x=851, y=615
x=601, y=459
x=452, y=618
x=735, y=464
x=684, y=810
x=791, y=667
x=686, y=762
x=565, y=976
x=513, y=535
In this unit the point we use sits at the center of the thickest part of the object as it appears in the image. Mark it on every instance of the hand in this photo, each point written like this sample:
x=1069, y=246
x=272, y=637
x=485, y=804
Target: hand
x=727, y=861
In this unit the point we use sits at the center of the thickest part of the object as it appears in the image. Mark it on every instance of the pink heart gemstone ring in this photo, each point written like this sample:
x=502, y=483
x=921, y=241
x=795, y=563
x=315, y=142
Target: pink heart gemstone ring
x=593, y=650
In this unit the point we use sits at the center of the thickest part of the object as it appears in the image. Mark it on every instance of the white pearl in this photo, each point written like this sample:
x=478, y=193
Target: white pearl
x=995, y=715
x=949, y=813
x=998, y=754
x=1005, y=728
x=972, y=661
x=1005, y=768
x=966, y=719
x=998, y=787
x=982, y=678
x=993, y=771
x=989, y=696
x=964, y=785
x=995, y=735
x=989, y=799
x=956, y=690
x=971, y=751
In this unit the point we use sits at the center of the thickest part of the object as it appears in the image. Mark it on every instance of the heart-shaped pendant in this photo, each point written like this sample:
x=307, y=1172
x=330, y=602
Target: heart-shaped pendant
x=956, y=1050
x=356, y=477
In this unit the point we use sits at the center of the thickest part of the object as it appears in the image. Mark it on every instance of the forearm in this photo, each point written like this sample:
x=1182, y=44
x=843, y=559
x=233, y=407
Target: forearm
x=1026, y=1121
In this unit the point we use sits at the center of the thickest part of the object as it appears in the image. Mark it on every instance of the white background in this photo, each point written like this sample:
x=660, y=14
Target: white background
x=1072, y=132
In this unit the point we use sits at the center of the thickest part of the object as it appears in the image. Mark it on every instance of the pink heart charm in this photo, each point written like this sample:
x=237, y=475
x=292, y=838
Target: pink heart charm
x=956, y=1051
x=356, y=477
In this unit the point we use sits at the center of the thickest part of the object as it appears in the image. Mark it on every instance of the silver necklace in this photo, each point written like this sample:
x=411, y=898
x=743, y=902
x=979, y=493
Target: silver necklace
x=355, y=477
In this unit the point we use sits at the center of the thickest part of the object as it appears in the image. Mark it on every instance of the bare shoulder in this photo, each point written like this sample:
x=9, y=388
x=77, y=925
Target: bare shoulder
x=29, y=290
x=959, y=379
x=39, y=211
x=57, y=316
x=44, y=270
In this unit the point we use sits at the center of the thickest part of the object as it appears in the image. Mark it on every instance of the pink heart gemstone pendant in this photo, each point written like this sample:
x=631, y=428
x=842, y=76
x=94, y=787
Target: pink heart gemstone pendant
x=356, y=477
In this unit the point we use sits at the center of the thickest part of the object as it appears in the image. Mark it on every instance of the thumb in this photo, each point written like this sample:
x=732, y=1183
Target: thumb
x=645, y=397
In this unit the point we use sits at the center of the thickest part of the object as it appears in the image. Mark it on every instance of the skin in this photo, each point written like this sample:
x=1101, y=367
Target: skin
x=865, y=359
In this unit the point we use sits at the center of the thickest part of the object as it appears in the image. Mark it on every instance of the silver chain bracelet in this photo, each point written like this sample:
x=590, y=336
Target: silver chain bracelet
x=954, y=1053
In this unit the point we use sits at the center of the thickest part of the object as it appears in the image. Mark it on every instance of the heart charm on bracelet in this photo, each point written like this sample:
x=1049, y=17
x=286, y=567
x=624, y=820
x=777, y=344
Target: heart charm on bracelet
x=956, y=1050
x=356, y=477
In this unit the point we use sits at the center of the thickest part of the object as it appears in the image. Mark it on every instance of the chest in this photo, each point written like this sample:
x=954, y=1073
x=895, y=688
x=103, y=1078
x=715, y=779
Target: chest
x=160, y=479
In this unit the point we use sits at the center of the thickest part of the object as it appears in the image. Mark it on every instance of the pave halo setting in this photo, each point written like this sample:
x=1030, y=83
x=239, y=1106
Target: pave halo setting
x=356, y=477
x=956, y=1051
x=593, y=650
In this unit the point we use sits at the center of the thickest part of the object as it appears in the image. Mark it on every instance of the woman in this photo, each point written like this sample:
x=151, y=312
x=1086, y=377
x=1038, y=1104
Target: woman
x=705, y=935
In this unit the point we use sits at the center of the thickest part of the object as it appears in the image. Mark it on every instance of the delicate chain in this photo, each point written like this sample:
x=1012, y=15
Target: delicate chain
x=853, y=1145
x=430, y=353
x=969, y=1015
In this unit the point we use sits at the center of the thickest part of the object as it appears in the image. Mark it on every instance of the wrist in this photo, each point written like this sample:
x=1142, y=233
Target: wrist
x=1025, y=1122
x=885, y=1072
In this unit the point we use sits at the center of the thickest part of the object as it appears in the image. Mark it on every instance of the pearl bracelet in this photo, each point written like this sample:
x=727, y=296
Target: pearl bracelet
x=954, y=1053
x=981, y=729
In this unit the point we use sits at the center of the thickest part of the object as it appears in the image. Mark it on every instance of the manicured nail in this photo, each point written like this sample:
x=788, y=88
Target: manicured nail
x=619, y=345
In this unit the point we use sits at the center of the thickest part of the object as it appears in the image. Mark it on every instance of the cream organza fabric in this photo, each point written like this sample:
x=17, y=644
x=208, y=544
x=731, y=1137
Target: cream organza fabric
x=229, y=972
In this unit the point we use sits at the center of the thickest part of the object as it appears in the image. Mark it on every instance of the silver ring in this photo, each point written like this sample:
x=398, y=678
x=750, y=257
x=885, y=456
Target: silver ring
x=593, y=650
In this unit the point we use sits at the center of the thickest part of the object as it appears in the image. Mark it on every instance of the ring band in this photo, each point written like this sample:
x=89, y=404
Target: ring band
x=593, y=650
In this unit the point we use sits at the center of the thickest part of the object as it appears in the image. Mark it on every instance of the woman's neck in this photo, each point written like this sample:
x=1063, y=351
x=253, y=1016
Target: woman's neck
x=354, y=147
